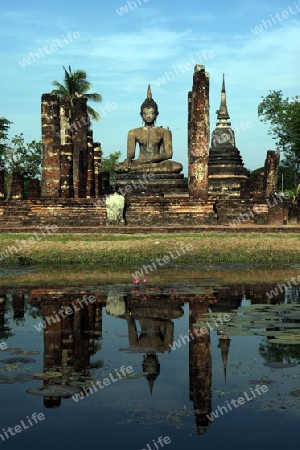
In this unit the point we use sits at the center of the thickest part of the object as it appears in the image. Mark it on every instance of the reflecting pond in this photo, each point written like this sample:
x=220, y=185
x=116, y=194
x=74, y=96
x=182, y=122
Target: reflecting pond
x=150, y=365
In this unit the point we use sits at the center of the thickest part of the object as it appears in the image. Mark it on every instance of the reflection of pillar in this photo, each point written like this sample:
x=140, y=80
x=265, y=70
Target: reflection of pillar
x=198, y=133
x=18, y=306
x=69, y=338
x=52, y=332
x=2, y=313
x=81, y=355
x=200, y=363
x=98, y=321
x=52, y=343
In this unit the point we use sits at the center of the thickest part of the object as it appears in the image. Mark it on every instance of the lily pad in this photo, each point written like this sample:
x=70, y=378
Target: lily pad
x=261, y=381
x=46, y=375
x=18, y=359
x=138, y=350
x=295, y=393
x=279, y=365
x=10, y=367
x=55, y=390
x=259, y=320
x=20, y=378
x=15, y=351
x=30, y=352
x=289, y=339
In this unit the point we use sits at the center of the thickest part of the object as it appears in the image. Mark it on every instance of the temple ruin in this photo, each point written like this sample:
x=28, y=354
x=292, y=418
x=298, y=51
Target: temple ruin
x=73, y=189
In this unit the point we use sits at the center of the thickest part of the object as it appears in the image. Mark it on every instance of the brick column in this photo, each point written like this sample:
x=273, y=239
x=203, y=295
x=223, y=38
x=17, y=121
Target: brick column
x=271, y=172
x=198, y=133
x=50, y=146
x=97, y=169
x=90, y=185
x=17, y=186
x=80, y=151
x=66, y=171
x=34, y=188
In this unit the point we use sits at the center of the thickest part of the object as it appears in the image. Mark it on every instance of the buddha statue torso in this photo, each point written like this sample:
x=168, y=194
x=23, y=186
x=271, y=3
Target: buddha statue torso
x=155, y=145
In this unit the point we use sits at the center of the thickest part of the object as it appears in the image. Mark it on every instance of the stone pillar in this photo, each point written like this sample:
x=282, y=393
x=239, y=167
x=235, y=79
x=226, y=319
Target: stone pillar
x=66, y=171
x=50, y=146
x=271, y=172
x=97, y=168
x=2, y=194
x=198, y=133
x=65, y=127
x=80, y=150
x=34, y=188
x=105, y=181
x=17, y=186
x=90, y=185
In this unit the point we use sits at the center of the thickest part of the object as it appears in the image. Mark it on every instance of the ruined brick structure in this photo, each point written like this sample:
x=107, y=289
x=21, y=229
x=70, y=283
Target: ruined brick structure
x=271, y=173
x=198, y=133
x=71, y=160
x=219, y=189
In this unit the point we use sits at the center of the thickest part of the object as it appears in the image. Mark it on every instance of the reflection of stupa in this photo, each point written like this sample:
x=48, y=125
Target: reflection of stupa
x=224, y=343
x=151, y=368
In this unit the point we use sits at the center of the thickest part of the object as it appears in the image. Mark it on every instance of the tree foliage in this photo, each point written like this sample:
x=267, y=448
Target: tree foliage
x=75, y=85
x=4, y=127
x=288, y=177
x=23, y=158
x=283, y=115
x=108, y=164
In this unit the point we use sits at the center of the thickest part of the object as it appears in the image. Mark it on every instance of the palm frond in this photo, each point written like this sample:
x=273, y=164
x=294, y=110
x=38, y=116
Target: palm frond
x=94, y=97
x=76, y=83
x=94, y=115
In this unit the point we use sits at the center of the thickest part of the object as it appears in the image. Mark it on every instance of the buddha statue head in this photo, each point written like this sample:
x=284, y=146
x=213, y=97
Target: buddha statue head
x=149, y=108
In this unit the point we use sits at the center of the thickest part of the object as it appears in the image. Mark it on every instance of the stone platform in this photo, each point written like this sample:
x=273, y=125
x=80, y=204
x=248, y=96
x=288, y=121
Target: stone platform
x=155, y=211
x=139, y=182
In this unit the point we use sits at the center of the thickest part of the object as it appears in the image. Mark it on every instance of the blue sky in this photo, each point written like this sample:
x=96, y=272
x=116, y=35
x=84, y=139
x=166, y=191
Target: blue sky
x=156, y=42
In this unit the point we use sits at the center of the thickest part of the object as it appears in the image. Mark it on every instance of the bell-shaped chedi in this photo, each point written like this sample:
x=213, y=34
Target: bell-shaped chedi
x=226, y=170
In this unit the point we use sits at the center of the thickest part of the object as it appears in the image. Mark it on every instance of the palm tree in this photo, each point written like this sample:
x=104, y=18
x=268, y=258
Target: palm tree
x=75, y=85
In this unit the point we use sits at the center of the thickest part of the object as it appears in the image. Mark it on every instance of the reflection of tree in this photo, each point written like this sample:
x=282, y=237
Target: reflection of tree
x=282, y=353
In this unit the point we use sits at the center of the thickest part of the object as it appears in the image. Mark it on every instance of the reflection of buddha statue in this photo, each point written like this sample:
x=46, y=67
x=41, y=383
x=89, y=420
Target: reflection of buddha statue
x=155, y=144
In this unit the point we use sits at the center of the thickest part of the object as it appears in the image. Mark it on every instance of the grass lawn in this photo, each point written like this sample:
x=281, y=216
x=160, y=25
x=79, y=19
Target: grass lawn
x=115, y=251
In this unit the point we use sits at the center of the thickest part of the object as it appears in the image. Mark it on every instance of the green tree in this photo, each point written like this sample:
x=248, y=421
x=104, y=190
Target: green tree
x=108, y=164
x=76, y=84
x=22, y=158
x=283, y=115
x=4, y=127
x=288, y=177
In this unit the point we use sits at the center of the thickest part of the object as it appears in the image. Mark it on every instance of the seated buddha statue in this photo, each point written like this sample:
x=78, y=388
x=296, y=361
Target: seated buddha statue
x=155, y=144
